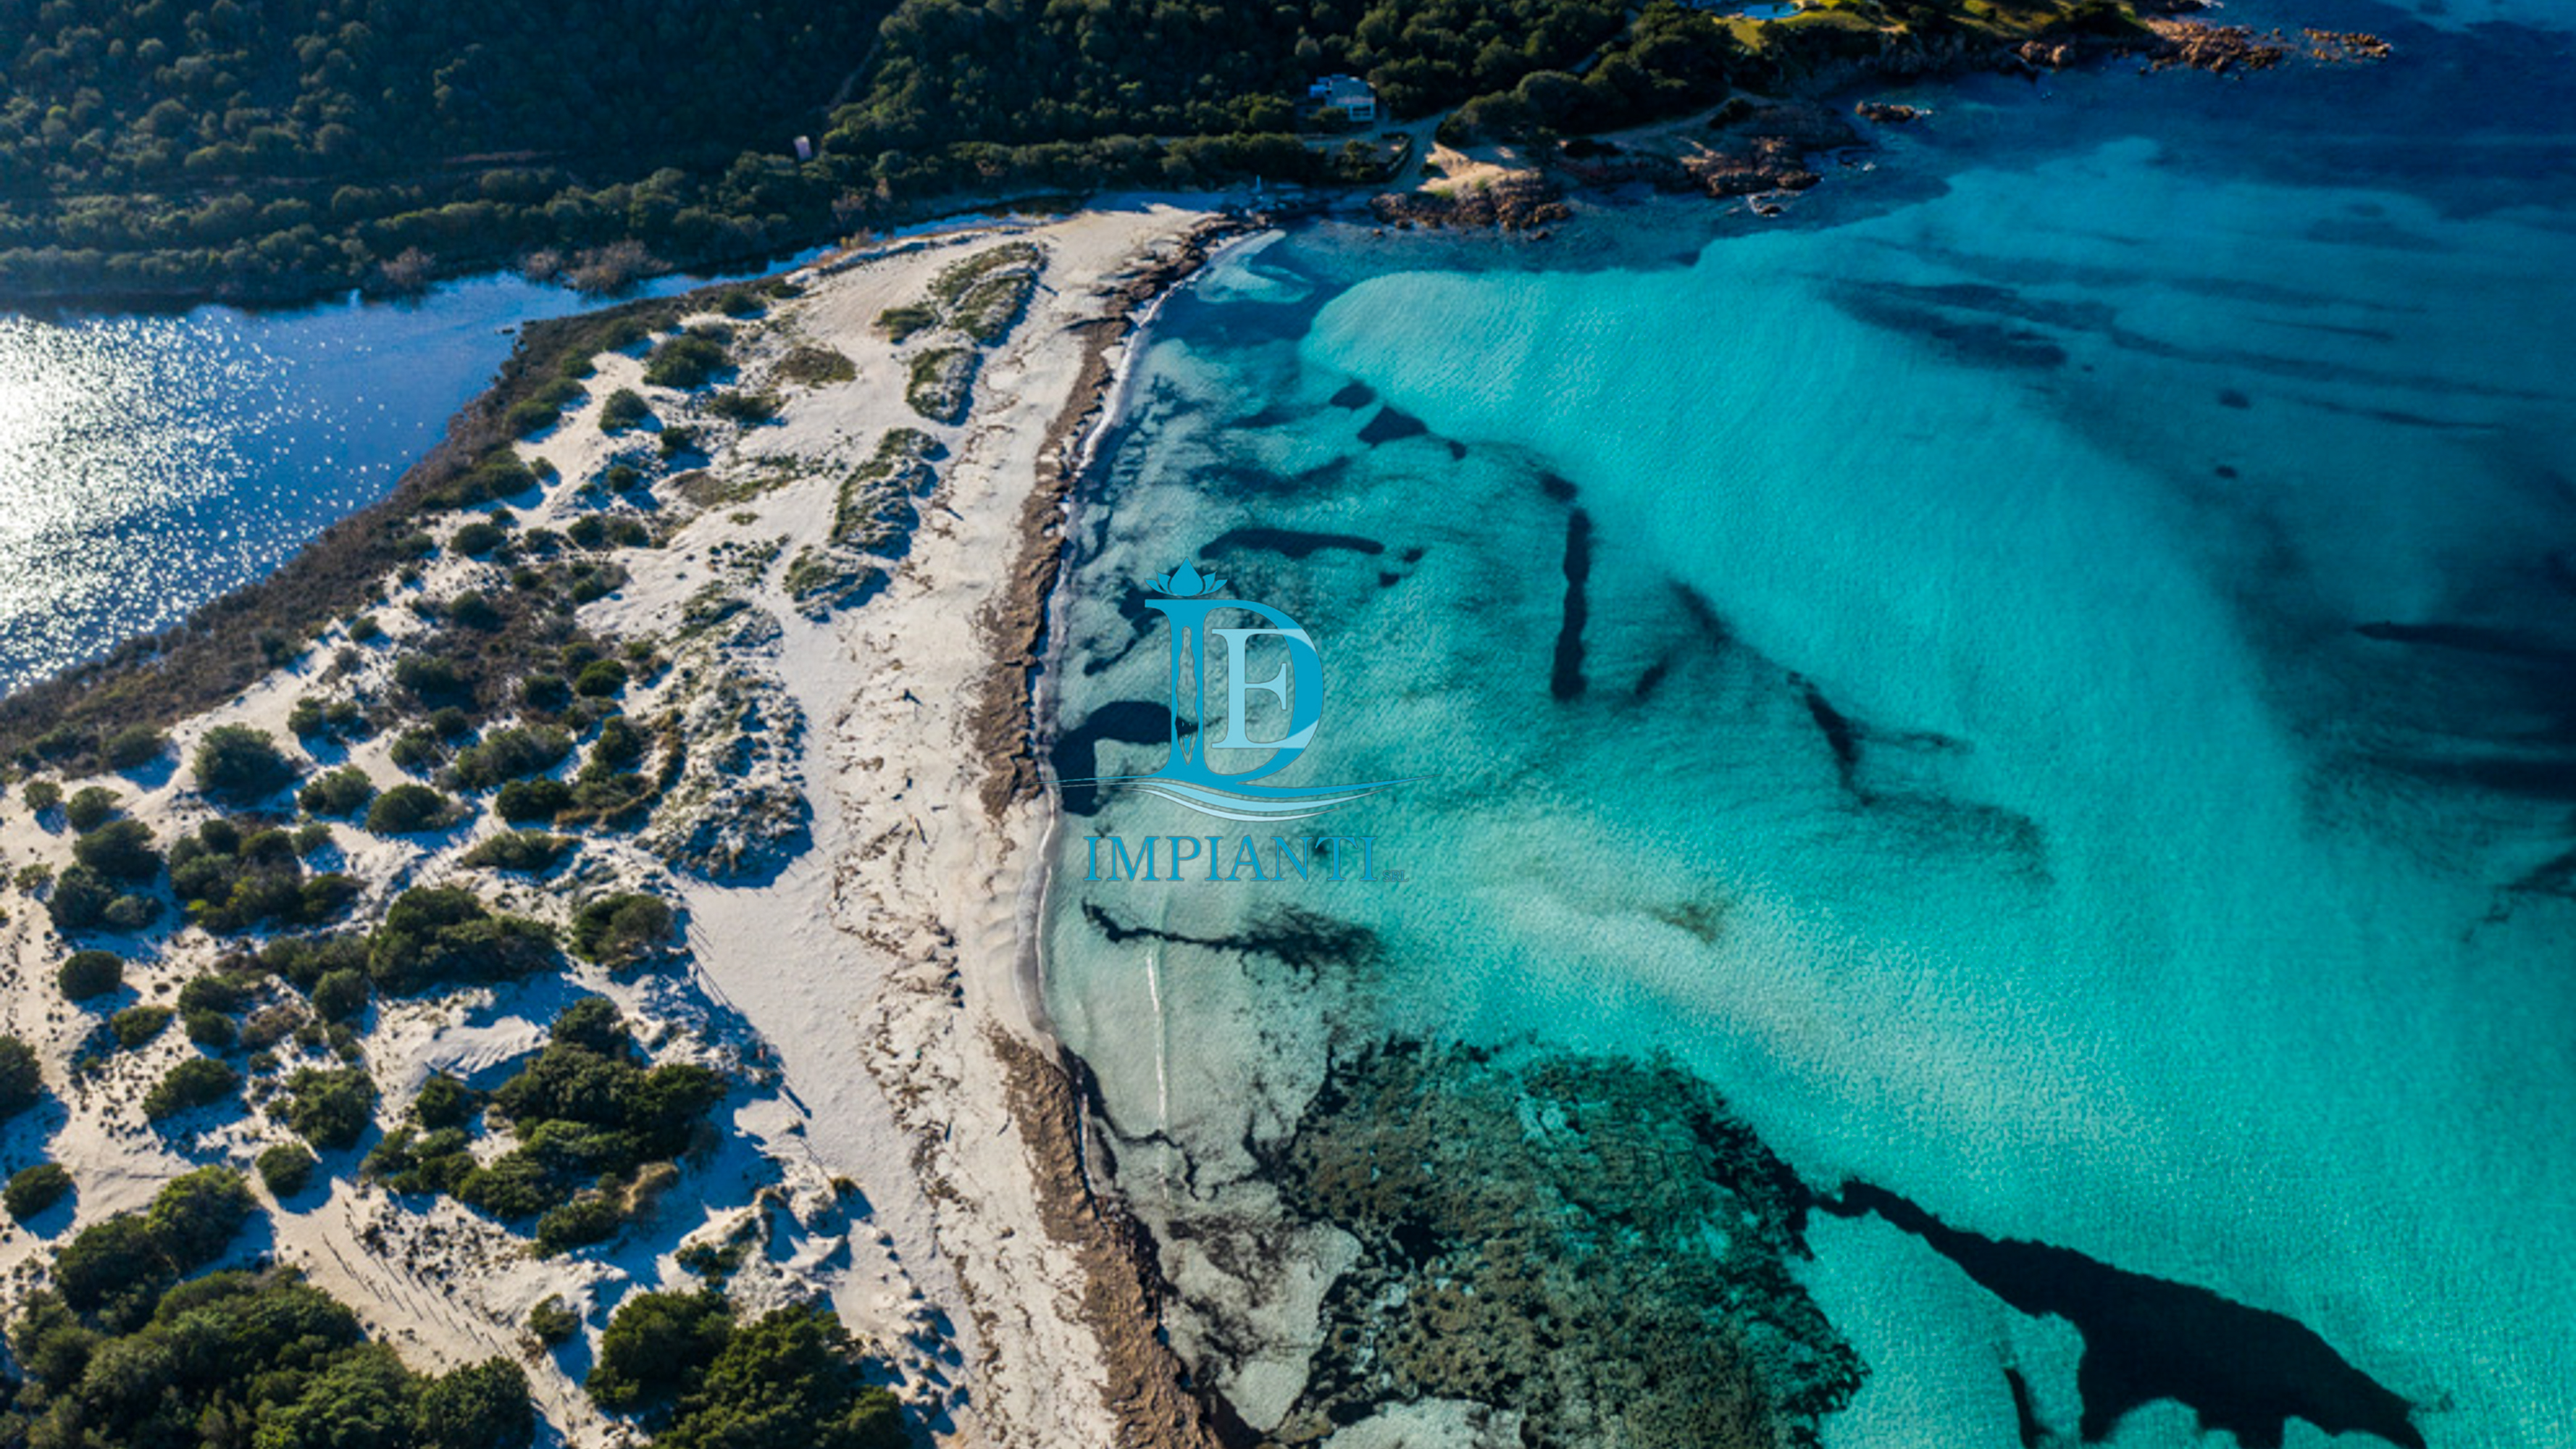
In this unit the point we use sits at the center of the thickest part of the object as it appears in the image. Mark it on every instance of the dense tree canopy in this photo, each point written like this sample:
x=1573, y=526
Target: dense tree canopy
x=287, y=147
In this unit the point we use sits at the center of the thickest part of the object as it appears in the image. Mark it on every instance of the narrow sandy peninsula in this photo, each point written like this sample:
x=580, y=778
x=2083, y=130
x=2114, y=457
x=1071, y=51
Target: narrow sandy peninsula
x=825, y=574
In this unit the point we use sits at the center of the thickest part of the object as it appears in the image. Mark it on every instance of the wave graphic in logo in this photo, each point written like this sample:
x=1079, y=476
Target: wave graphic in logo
x=1190, y=600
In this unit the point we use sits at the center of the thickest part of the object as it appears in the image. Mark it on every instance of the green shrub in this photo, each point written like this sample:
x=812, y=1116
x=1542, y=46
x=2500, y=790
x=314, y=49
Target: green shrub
x=409, y=809
x=135, y=745
x=41, y=795
x=530, y=851
x=340, y=995
x=657, y=1347
x=477, y=538
x=433, y=679
x=311, y=836
x=211, y=1029
x=552, y=1322
x=365, y=630
x=330, y=1109
x=533, y=802
x=624, y=409
x=417, y=750
x=790, y=1377
x=344, y=791
x=131, y=912
x=436, y=935
x=744, y=408
x=511, y=754
x=591, y=1217
x=686, y=362
x=812, y=366
x=478, y=1406
x=618, y=929
x=22, y=1078
x=545, y=693
x=90, y=974
x=80, y=899
x=136, y=1025
x=901, y=323
x=305, y=720
x=472, y=610
x=286, y=1167
x=31, y=1190
x=795, y=1366
x=600, y=679
x=240, y=764
x=90, y=807
x=236, y=878
x=444, y=1102
x=196, y=1082
x=619, y=749
x=120, y=850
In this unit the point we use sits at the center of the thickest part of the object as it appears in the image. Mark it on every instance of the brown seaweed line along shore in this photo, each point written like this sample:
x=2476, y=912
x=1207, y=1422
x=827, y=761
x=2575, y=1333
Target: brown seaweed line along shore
x=1004, y=721
x=1146, y=1384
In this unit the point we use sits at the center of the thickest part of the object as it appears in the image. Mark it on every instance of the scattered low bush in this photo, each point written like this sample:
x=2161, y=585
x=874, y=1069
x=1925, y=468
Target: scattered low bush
x=532, y=852
x=193, y=1083
x=341, y=792
x=91, y=974
x=120, y=850
x=439, y=935
x=624, y=409
x=812, y=366
x=511, y=754
x=134, y=746
x=90, y=807
x=600, y=679
x=137, y=1025
x=617, y=930
x=241, y=765
x=330, y=1108
x=688, y=361
x=287, y=1167
x=31, y=1190
x=410, y=809
x=22, y=1078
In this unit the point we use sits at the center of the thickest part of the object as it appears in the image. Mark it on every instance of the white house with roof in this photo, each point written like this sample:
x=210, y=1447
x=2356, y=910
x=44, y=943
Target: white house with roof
x=1347, y=94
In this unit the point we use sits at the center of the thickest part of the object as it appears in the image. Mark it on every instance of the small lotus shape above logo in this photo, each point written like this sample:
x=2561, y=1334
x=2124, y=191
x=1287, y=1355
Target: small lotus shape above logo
x=1186, y=582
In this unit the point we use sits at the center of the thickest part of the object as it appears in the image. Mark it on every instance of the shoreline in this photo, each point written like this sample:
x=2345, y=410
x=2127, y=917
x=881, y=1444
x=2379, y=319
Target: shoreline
x=852, y=890
x=1050, y=1090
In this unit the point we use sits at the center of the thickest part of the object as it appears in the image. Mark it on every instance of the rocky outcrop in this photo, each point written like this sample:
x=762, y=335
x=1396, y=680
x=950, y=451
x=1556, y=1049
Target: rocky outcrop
x=1592, y=1245
x=1517, y=201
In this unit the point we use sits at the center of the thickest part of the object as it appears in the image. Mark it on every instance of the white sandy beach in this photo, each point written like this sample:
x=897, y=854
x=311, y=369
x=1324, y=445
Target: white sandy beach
x=861, y=996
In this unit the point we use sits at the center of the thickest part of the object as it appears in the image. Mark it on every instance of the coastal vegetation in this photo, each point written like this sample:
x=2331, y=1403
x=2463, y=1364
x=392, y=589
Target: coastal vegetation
x=594, y=1129
x=229, y=1358
x=177, y=151
x=789, y=1379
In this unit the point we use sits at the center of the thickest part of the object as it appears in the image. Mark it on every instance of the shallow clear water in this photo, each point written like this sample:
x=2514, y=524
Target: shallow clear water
x=2076, y=722
x=150, y=463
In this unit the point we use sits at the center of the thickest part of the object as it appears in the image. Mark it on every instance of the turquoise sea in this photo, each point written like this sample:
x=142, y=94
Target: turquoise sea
x=2041, y=685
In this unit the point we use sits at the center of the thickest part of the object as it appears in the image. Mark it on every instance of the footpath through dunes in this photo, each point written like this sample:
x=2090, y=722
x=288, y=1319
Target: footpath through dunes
x=689, y=676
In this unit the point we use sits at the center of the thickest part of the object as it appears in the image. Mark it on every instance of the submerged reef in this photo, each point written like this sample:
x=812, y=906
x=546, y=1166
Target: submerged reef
x=1592, y=1244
